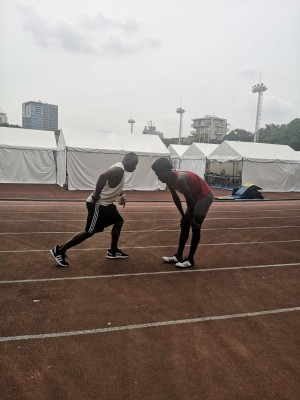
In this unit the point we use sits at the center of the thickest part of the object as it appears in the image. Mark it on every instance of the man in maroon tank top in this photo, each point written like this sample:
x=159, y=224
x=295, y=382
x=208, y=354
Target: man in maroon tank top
x=198, y=196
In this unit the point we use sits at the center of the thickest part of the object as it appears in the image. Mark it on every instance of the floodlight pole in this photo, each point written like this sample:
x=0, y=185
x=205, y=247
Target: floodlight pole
x=258, y=88
x=180, y=111
x=131, y=122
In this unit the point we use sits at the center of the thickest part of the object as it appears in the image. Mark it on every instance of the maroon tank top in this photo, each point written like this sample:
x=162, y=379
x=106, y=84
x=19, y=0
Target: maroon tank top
x=198, y=187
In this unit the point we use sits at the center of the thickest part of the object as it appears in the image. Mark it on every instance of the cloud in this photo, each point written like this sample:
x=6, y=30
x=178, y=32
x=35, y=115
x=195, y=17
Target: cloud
x=118, y=45
x=102, y=22
x=278, y=110
x=250, y=72
x=97, y=34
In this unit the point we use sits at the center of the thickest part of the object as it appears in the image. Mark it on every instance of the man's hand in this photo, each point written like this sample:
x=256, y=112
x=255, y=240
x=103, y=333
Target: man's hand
x=194, y=224
x=122, y=201
x=185, y=219
x=94, y=198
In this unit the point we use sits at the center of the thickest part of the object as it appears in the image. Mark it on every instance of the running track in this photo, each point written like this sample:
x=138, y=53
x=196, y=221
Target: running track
x=138, y=328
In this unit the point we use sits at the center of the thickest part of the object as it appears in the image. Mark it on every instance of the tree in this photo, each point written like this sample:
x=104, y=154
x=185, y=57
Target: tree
x=10, y=125
x=271, y=133
x=239, y=135
x=184, y=140
x=292, y=134
x=282, y=134
x=288, y=134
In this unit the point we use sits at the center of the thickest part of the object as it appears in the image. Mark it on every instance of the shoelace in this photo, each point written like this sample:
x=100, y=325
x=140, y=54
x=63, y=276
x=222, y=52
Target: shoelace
x=62, y=257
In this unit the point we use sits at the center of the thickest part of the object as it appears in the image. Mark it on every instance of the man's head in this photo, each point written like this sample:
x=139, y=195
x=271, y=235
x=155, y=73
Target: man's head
x=163, y=169
x=130, y=162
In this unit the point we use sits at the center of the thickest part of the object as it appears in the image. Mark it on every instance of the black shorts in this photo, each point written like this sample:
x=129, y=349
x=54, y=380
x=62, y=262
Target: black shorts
x=202, y=206
x=100, y=217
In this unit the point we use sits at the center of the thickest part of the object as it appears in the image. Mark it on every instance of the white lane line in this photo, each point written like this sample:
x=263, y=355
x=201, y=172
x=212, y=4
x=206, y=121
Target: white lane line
x=142, y=212
x=150, y=204
x=146, y=220
x=74, y=278
x=157, y=204
x=80, y=212
x=148, y=325
x=156, y=230
x=156, y=246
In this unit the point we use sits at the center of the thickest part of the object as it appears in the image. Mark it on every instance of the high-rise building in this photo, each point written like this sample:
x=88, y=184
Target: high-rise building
x=3, y=117
x=38, y=115
x=209, y=128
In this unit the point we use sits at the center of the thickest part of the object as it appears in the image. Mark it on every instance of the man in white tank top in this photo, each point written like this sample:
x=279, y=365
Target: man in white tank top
x=102, y=211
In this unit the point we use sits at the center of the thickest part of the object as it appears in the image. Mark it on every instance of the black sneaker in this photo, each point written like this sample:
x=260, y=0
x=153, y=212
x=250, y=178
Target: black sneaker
x=60, y=258
x=116, y=254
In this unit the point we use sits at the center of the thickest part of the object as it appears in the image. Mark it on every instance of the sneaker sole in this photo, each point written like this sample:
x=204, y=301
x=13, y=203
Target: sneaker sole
x=183, y=267
x=169, y=262
x=61, y=265
x=112, y=257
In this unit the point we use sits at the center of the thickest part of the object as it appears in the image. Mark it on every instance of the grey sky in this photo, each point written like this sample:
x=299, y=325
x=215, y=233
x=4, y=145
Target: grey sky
x=103, y=61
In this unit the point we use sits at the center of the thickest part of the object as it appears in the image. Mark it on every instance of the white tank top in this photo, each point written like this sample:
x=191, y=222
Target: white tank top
x=109, y=194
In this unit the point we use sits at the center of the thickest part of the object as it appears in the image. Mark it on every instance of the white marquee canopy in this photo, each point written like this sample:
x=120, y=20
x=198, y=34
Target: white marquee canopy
x=176, y=152
x=272, y=167
x=27, y=156
x=84, y=154
x=194, y=158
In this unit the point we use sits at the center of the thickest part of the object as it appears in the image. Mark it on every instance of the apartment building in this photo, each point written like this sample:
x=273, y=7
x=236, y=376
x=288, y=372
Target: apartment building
x=38, y=115
x=209, y=128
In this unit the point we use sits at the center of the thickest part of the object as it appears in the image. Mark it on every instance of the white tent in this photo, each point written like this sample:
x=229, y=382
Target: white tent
x=27, y=156
x=272, y=167
x=84, y=154
x=176, y=151
x=194, y=158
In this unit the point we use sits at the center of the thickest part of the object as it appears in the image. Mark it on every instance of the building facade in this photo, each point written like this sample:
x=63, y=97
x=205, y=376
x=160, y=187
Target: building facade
x=38, y=115
x=151, y=130
x=209, y=128
x=3, y=118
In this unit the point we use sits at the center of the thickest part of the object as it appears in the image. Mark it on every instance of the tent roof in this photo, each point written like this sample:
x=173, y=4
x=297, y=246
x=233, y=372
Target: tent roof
x=176, y=150
x=27, y=138
x=236, y=151
x=80, y=138
x=200, y=150
x=112, y=142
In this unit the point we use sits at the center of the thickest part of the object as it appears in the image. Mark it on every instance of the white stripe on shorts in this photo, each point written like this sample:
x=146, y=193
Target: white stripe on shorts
x=94, y=220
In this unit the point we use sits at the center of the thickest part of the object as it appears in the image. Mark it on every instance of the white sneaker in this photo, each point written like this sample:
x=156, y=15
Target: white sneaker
x=170, y=260
x=185, y=264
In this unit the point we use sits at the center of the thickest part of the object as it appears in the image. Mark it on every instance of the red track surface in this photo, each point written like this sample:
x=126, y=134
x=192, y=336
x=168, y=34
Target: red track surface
x=138, y=328
x=13, y=191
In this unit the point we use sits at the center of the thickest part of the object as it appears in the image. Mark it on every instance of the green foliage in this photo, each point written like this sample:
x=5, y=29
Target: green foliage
x=288, y=134
x=282, y=134
x=239, y=135
x=184, y=140
x=10, y=125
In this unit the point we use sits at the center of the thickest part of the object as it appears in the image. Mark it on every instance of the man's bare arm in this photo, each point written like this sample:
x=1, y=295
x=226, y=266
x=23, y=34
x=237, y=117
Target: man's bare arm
x=185, y=190
x=177, y=201
x=113, y=176
x=99, y=186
